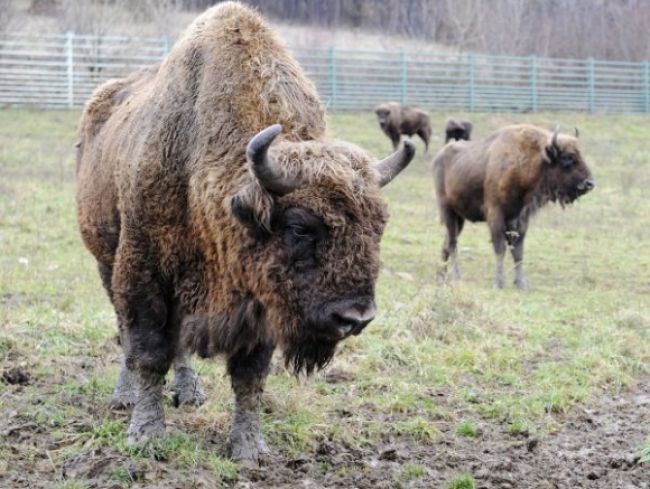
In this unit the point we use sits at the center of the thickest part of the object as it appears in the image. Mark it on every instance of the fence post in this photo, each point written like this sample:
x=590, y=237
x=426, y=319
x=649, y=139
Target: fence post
x=332, y=74
x=646, y=83
x=533, y=82
x=403, y=79
x=470, y=79
x=592, y=84
x=69, y=40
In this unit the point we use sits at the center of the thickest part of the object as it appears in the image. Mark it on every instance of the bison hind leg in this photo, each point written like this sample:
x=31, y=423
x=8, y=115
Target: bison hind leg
x=124, y=395
x=454, y=225
x=186, y=389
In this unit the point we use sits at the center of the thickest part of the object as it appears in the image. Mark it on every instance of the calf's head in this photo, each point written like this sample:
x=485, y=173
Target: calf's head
x=383, y=112
x=314, y=217
x=567, y=174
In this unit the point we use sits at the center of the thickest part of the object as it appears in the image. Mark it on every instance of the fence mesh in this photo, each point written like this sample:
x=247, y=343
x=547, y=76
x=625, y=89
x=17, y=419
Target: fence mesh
x=59, y=71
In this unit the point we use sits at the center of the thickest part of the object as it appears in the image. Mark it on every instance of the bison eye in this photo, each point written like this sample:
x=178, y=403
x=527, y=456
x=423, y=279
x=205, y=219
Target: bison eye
x=568, y=161
x=299, y=232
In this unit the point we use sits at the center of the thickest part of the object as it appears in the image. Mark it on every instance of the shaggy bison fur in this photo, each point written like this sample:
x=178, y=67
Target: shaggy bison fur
x=396, y=120
x=503, y=180
x=458, y=130
x=223, y=219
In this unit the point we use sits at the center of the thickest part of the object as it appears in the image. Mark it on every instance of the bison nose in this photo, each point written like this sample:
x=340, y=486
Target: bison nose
x=352, y=318
x=586, y=185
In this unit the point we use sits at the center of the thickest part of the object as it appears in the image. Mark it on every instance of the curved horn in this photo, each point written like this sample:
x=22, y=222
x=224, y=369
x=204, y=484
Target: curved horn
x=390, y=166
x=577, y=132
x=264, y=168
x=556, y=131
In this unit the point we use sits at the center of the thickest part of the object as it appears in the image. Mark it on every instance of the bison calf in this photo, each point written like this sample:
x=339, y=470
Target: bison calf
x=396, y=120
x=503, y=180
x=457, y=130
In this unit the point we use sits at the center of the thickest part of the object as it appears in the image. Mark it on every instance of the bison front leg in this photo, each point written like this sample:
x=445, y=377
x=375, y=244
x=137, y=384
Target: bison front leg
x=148, y=416
x=144, y=315
x=248, y=371
x=497, y=227
x=395, y=138
x=517, y=237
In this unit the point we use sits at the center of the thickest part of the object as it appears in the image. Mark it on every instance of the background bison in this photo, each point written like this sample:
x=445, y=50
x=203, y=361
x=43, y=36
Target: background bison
x=503, y=180
x=457, y=130
x=396, y=120
x=211, y=240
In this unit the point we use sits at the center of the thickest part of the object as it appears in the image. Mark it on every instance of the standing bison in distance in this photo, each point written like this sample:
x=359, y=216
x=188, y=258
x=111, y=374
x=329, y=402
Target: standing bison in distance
x=223, y=219
x=396, y=120
x=503, y=180
x=457, y=130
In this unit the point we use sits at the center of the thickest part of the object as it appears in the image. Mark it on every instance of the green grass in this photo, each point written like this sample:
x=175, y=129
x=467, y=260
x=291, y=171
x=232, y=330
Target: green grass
x=645, y=452
x=467, y=429
x=464, y=481
x=510, y=358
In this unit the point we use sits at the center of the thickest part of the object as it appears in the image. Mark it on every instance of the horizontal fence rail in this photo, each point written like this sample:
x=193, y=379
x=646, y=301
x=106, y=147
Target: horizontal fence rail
x=61, y=71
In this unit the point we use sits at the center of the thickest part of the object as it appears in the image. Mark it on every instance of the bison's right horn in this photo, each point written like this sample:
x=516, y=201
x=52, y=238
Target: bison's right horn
x=577, y=132
x=390, y=166
x=263, y=166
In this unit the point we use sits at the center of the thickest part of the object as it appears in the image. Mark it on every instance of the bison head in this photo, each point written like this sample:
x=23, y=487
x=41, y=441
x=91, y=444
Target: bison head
x=385, y=112
x=567, y=175
x=314, y=216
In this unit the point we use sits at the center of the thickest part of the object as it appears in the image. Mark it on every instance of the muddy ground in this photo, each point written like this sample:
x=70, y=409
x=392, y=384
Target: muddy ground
x=595, y=447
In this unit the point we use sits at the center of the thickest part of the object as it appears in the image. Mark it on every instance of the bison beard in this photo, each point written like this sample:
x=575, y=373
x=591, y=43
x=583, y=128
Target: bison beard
x=307, y=353
x=211, y=241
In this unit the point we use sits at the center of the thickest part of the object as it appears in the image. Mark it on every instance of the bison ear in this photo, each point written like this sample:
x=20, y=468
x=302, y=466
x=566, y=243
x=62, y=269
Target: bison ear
x=252, y=208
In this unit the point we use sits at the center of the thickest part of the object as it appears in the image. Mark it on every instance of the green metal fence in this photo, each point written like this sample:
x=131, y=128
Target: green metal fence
x=62, y=70
x=353, y=79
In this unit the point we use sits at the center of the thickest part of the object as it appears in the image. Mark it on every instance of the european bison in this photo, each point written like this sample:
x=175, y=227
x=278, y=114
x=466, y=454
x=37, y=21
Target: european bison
x=223, y=219
x=457, y=130
x=395, y=120
x=504, y=179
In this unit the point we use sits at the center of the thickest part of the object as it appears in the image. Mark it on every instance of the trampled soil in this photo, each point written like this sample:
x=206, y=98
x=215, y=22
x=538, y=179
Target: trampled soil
x=596, y=447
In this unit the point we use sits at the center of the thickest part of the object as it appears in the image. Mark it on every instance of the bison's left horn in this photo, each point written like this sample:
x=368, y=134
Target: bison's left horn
x=577, y=132
x=390, y=166
x=263, y=166
x=556, y=131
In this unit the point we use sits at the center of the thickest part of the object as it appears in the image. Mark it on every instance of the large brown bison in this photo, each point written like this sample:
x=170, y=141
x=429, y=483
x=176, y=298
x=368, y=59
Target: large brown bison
x=457, y=130
x=224, y=220
x=396, y=120
x=504, y=179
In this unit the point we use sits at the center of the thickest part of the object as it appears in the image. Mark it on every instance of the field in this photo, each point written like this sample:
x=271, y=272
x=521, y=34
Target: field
x=453, y=385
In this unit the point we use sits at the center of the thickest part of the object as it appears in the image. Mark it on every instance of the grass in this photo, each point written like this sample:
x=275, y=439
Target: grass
x=467, y=429
x=464, y=481
x=645, y=451
x=435, y=356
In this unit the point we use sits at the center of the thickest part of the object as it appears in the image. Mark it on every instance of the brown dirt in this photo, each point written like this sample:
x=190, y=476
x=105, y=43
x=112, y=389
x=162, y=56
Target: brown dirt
x=596, y=447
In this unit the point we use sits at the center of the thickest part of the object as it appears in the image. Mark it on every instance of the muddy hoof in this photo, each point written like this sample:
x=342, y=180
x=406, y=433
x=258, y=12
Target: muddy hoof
x=188, y=392
x=139, y=434
x=120, y=401
x=249, y=451
x=522, y=284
